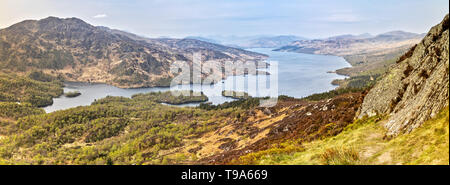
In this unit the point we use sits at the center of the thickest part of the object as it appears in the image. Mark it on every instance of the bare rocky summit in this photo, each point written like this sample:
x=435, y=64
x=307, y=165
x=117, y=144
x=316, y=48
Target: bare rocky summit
x=417, y=87
x=78, y=51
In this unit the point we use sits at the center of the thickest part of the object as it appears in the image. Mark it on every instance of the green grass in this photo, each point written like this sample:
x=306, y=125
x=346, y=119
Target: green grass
x=340, y=156
x=428, y=144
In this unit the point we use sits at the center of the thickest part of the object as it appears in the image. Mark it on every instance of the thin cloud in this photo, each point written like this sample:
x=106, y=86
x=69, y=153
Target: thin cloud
x=99, y=16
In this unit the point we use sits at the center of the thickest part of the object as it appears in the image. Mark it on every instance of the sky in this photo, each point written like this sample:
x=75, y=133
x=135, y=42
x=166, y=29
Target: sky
x=181, y=18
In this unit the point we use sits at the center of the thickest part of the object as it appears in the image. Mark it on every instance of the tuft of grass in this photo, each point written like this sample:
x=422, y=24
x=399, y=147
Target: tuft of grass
x=288, y=147
x=340, y=156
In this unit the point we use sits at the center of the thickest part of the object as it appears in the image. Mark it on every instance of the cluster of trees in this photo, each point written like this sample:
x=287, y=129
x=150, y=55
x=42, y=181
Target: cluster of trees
x=15, y=110
x=242, y=104
x=363, y=81
x=332, y=93
x=173, y=97
x=37, y=88
x=113, y=130
x=72, y=94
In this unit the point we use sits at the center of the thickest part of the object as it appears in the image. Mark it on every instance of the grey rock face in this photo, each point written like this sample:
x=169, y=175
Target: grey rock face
x=417, y=87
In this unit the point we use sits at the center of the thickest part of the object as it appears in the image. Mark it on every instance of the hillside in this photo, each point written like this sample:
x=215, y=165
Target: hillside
x=78, y=51
x=417, y=87
x=138, y=130
x=402, y=119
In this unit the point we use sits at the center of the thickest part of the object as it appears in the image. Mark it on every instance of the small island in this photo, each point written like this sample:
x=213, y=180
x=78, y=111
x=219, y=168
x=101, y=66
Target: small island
x=173, y=97
x=235, y=95
x=72, y=94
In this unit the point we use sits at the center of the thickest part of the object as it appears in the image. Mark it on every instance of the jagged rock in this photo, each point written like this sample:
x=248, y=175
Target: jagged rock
x=417, y=87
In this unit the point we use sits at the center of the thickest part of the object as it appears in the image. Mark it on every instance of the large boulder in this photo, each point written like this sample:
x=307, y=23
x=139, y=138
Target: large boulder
x=417, y=87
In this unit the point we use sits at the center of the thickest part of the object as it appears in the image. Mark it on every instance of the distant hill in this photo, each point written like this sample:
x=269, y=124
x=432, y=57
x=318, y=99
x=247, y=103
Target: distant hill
x=350, y=36
x=78, y=51
x=350, y=44
x=203, y=39
x=252, y=41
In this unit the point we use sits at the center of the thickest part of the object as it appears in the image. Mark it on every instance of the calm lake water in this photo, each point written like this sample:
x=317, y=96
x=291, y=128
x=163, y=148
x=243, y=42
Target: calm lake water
x=299, y=75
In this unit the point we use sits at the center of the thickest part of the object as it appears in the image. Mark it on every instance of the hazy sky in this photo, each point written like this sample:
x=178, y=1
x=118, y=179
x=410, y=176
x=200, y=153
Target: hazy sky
x=179, y=18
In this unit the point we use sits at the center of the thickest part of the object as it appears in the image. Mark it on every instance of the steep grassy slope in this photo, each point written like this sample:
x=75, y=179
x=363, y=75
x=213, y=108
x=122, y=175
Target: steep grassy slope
x=417, y=87
x=363, y=142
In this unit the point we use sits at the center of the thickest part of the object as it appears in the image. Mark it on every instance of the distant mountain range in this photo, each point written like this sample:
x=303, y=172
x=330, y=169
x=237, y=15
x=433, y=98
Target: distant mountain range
x=251, y=41
x=350, y=36
x=78, y=51
x=351, y=44
x=364, y=52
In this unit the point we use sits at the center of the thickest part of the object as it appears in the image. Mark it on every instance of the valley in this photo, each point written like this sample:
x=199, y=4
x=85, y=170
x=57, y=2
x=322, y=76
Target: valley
x=297, y=70
x=393, y=113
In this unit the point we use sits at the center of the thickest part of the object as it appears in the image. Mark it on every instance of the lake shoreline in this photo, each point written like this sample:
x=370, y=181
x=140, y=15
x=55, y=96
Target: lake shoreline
x=335, y=82
x=300, y=75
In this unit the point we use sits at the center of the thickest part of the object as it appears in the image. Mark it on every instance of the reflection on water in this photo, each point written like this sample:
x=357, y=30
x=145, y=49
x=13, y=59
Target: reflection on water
x=298, y=75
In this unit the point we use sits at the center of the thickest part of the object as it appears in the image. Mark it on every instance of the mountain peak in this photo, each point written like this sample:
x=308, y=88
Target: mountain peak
x=398, y=34
x=53, y=18
x=57, y=20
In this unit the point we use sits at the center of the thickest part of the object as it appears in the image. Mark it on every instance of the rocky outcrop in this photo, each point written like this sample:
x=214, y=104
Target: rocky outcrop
x=417, y=87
